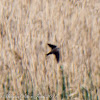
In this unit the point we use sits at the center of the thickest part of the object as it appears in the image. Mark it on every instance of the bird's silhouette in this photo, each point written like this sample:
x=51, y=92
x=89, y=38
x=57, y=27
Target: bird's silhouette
x=55, y=51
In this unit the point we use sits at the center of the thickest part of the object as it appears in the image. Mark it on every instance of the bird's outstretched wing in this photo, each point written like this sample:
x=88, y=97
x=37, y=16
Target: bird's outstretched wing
x=57, y=56
x=52, y=46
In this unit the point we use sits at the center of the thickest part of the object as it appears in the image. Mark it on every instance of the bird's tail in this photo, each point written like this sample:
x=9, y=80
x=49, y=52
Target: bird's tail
x=48, y=53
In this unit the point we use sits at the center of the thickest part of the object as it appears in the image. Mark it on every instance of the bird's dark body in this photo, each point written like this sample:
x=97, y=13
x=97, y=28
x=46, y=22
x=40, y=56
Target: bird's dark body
x=54, y=51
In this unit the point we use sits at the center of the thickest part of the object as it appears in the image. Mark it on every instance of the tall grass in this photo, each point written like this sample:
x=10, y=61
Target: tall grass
x=66, y=95
x=25, y=29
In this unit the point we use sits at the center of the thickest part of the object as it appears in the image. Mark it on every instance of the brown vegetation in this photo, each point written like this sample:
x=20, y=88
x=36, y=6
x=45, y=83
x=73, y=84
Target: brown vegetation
x=26, y=26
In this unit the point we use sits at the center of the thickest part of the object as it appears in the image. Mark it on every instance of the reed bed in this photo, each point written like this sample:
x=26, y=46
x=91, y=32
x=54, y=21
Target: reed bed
x=26, y=26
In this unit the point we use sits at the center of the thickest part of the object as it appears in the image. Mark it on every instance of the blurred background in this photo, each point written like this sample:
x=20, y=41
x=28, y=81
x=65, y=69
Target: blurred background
x=26, y=26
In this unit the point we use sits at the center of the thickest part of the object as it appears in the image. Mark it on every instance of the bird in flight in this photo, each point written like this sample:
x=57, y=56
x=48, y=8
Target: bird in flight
x=55, y=51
